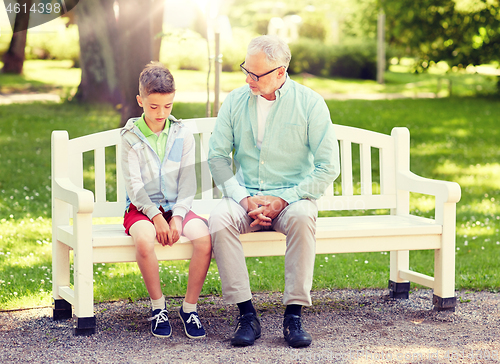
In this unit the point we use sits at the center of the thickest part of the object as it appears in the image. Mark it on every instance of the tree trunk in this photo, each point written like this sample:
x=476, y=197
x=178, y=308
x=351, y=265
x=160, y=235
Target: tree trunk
x=157, y=10
x=115, y=48
x=136, y=51
x=98, y=52
x=13, y=59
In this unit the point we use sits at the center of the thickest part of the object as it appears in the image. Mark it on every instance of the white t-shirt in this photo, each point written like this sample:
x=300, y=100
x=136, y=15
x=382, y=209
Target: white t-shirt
x=263, y=108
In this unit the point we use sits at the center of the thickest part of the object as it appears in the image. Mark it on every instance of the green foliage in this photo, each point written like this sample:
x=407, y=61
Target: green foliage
x=61, y=45
x=253, y=14
x=53, y=40
x=184, y=49
x=359, y=18
x=233, y=53
x=311, y=56
x=356, y=59
x=461, y=33
x=314, y=25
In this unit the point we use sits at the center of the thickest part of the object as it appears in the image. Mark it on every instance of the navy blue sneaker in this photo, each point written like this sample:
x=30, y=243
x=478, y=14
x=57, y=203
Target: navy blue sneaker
x=160, y=327
x=192, y=324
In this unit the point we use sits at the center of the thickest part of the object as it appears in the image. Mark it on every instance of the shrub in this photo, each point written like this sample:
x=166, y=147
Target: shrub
x=59, y=42
x=314, y=26
x=311, y=56
x=355, y=59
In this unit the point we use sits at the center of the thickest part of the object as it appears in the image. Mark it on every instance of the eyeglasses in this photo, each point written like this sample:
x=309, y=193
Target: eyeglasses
x=253, y=75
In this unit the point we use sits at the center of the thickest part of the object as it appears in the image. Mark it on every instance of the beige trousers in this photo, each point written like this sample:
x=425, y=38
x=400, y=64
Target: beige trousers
x=297, y=221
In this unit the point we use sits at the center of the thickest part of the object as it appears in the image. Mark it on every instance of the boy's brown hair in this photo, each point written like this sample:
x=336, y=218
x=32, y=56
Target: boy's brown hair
x=156, y=78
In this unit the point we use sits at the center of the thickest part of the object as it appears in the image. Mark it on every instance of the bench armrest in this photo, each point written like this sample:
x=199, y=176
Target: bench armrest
x=447, y=192
x=80, y=198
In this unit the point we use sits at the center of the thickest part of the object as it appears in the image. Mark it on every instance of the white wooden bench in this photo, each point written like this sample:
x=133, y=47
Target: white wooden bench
x=73, y=210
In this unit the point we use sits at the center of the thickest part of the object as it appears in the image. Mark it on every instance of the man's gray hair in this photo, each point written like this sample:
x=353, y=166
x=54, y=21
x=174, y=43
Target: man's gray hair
x=276, y=50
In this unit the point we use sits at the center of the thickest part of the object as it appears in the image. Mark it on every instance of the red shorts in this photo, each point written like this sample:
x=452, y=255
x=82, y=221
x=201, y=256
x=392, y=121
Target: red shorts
x=132, y=215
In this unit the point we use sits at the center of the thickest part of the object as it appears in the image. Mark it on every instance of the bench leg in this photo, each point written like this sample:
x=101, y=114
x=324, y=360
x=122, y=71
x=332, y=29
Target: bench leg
x=399, y=290
x=444, y=261
x=84, y=326
x=61, y=310
x=444, y=304
x=85, y=321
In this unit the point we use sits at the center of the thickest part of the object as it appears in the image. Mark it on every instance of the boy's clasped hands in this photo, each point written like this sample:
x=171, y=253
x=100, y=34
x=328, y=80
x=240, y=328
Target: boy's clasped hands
x=167, y=233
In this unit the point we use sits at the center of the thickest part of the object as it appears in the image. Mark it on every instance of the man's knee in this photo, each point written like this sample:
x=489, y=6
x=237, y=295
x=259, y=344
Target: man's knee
x=302, y=214
x=225, y=216
x=219, y=219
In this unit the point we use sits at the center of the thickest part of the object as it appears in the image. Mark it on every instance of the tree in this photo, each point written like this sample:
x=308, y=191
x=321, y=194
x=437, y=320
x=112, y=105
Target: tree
x=24, y=14
x=461, y=33
x=114, y=48
x=13, y=59
x=98, y=52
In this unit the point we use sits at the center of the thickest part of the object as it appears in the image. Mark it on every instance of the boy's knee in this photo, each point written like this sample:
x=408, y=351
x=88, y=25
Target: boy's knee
x=203, y=245
x=144, y=246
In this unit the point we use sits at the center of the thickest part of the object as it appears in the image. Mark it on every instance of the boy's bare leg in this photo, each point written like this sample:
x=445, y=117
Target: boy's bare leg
x=197, y=231
x=144, y=235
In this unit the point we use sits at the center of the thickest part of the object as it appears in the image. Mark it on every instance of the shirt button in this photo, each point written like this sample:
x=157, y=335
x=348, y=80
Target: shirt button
x=262, y=162
x=261, y=181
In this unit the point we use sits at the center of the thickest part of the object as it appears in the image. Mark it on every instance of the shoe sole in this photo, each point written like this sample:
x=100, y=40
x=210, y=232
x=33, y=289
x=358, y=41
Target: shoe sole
x=185, y=330
x=162, y=336
x=300, y=344
x=243, y=342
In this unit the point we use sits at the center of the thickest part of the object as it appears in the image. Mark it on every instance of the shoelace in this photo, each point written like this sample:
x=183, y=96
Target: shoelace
x=159, y=317
x=244, y=322
x=295, y=324
x=194, y=319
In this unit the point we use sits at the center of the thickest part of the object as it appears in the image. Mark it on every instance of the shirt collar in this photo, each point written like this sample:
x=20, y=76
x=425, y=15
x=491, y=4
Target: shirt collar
x=144, y=128
x=284, y=88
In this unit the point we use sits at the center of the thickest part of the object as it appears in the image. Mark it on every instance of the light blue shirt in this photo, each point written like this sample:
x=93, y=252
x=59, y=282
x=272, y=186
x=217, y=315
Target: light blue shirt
x=299, y=156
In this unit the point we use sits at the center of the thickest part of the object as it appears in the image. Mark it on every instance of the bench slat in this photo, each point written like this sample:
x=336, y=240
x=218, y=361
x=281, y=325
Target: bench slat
x=356, y=202
x=100, y=174
x=120, y=182
x=365, y=153
x=346, y=167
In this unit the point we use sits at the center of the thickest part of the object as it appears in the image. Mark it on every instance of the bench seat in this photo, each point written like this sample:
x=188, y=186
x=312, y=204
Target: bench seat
x=345, y=234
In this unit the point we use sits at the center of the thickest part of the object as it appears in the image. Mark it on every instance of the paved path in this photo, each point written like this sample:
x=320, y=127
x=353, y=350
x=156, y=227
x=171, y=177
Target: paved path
x=348, y=327
x=32, y=97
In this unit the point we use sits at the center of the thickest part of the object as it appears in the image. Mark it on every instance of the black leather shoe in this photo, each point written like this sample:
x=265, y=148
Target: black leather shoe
x=294, y=334
x=247, y=330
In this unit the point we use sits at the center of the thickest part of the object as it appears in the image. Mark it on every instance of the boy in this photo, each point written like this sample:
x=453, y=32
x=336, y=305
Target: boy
x=158, y=161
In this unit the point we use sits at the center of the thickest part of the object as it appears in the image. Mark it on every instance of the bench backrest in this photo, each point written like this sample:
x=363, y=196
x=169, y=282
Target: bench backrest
x=367, y=181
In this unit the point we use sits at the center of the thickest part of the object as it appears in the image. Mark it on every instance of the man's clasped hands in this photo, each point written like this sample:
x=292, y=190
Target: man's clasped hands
x=263, y=209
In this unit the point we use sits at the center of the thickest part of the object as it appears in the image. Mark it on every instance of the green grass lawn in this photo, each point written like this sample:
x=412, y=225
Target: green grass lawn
x=453, y=139
x=61, y=77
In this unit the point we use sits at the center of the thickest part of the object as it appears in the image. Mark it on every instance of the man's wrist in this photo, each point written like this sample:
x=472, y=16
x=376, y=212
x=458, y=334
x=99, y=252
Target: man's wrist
x=244, y=202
